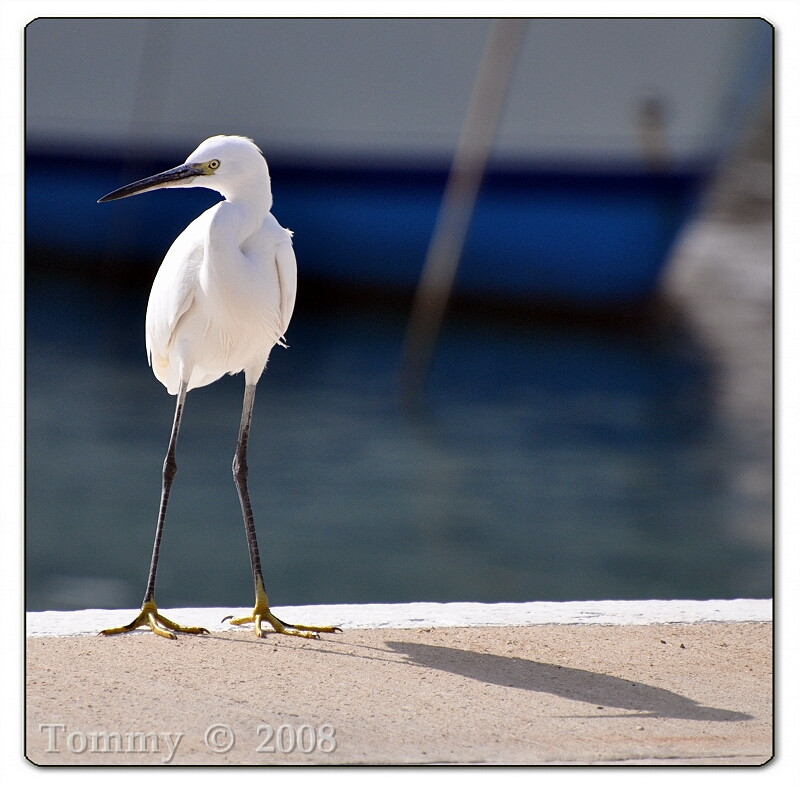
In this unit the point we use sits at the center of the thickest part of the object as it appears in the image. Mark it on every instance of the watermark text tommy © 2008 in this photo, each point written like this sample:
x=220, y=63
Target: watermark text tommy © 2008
x=218, y=738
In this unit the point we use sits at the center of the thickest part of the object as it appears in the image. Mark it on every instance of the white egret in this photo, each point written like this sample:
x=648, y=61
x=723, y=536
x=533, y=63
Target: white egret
x=220, y=301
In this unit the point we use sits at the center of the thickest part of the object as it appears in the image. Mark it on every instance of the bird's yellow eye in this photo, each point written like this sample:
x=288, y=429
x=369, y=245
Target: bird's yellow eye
x=213, y=164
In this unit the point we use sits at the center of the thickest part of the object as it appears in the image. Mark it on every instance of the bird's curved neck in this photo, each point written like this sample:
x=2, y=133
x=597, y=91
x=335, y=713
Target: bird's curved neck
x=253, y=191
x=243, y=215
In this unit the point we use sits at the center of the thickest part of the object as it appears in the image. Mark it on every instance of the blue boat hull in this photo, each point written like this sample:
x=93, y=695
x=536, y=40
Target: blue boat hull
x=584, y=238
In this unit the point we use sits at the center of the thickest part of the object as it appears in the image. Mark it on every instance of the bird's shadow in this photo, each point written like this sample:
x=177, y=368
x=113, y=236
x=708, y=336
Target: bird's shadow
x=596, y=689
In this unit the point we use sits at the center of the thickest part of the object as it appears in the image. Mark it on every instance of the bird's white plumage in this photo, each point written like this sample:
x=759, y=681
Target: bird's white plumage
x=225, y=292
x=222, y=298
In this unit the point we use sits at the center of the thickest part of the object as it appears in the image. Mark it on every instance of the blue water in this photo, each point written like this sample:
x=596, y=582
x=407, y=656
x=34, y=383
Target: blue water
x=553, y=462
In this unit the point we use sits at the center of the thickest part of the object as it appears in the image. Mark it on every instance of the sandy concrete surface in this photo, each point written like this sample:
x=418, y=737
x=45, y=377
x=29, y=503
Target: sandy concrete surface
x=542, y=694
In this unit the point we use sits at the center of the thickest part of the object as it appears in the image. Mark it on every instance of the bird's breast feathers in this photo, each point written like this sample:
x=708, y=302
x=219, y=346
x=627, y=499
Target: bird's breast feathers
x=219, y=304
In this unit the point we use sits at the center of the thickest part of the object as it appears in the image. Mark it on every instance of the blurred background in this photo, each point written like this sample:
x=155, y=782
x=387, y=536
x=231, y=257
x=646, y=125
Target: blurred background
x=597, y=422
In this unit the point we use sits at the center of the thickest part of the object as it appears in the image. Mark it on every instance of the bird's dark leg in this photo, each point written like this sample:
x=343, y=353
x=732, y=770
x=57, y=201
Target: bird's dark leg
x=240, y=474
x=261, y=611
x=150, y=615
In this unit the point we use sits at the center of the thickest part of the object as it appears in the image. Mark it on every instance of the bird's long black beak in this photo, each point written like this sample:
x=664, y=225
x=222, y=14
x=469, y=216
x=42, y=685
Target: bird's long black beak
x=171, y=177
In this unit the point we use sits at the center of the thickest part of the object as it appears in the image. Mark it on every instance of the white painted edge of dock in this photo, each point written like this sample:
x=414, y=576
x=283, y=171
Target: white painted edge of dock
x=88, y=622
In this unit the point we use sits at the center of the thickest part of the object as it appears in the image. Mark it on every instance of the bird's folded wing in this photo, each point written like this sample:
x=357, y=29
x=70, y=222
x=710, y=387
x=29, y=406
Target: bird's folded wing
x=171, y=297
x=287, y=280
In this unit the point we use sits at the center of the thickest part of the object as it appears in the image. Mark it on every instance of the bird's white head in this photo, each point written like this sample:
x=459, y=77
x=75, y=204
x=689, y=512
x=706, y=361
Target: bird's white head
x=231, y=165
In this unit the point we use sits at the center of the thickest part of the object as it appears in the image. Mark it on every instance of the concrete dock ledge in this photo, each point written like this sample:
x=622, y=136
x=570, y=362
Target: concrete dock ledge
x=634, y=682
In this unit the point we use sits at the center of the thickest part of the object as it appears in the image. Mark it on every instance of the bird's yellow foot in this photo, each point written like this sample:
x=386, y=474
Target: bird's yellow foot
x=157, y=622
x=262, y=614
